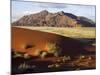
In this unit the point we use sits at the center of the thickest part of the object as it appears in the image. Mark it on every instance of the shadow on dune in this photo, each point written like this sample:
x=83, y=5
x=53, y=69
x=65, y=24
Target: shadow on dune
x=39, y=39
x=29, y=41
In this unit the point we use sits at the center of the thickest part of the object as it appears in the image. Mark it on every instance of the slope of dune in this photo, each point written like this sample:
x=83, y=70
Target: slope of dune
x=36, y=51
x=33, y=41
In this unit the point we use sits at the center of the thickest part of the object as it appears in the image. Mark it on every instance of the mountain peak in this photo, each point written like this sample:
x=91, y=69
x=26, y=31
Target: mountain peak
x=44, y=11
x=61, y=12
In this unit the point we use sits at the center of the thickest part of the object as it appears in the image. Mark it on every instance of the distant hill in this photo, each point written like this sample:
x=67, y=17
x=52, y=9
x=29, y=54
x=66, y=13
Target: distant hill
x=59, y=19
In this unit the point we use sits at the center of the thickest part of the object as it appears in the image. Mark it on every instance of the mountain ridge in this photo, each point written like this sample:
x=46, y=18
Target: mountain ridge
x=58, y=19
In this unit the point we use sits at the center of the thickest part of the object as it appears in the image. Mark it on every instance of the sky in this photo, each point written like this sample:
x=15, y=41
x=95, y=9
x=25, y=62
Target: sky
x=21, y=8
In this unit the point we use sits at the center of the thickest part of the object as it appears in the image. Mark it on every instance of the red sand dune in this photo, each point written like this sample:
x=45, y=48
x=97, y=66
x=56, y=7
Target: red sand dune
x=32, y=42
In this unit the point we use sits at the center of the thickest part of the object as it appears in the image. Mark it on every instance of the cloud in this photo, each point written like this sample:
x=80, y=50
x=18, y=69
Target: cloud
x=51, y=5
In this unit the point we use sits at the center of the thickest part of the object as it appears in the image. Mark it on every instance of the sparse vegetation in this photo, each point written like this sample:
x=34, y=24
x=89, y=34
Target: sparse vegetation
x=43, y=54
x=77, y=32
x=66, y=58
x=51, y=66
x=82, y=57
x=24, y=66
x=53, y=48
x=23, y=55
x=56, y=65
x=55, y=60
x=26, y=56
x=16, y=54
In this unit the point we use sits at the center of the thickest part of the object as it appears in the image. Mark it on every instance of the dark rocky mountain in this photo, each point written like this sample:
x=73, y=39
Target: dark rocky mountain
x=59, y=19
x=85, y=21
